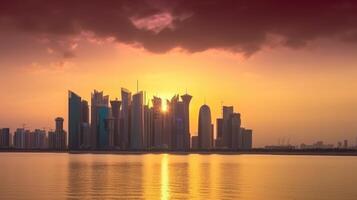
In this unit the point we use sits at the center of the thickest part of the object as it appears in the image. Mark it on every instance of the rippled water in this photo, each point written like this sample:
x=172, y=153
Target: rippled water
x=162, y=176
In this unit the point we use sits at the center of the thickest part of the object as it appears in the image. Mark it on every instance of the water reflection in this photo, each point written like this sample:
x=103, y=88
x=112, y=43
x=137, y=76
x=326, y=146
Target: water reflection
x=165, y=192
x=64, y=176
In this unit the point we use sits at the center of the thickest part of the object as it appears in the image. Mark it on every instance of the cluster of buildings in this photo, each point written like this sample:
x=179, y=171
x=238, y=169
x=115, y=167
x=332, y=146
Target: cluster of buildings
x=319, y=145
x=131, y=124
x=37, y=139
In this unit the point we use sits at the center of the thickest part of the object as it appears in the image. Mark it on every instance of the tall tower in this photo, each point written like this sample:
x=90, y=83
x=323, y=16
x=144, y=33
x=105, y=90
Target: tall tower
x=59, y=124
x=235, y=142
x=137, y=121
x=59, y=137
x=125, y=118
x=85, y=128
x=99, y=112
x=204, y=128
x=226, y=136
x=186, y=120
x=115, y=104
x=158, y=122
x=74, y=120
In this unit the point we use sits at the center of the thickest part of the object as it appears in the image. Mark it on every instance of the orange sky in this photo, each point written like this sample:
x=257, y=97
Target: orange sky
x=288, y=68
x=307, y=96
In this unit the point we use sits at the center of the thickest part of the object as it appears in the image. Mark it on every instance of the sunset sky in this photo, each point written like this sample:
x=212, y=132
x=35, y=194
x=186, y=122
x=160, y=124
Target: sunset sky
x=289, y=68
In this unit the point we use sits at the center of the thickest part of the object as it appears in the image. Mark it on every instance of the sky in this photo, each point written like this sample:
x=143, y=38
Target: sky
x=288, y=67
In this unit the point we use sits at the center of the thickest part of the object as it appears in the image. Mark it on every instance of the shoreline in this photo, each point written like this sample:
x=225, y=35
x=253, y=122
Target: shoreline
x=314, y=152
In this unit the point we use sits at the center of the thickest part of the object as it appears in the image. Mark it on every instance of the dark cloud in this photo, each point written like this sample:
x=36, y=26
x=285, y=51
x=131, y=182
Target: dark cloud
x=235, y=25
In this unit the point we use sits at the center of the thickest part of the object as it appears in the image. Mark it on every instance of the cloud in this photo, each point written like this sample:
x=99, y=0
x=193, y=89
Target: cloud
x=159, y=26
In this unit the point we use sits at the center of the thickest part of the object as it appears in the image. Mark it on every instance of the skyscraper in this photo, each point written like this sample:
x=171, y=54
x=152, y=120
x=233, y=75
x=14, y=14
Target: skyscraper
x=204, y=128
x=99, y=112
x=4, y=137
x=20, y=138
x=186, y=98
x=167, y=126
x=235, y=131
x=60, y=134
x=219, y=130
x=115, y=104
x=148, y=127
x=157, y=122
x=84, y=127
x=102, y=129
x=137, y=121
x=247, y=135
x=74, y=120
x=179, y=129
x=125, y=118
x=226, y=136
x=173, y=118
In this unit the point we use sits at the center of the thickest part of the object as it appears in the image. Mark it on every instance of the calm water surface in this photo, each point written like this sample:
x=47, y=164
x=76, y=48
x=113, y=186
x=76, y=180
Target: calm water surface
x=162, y=176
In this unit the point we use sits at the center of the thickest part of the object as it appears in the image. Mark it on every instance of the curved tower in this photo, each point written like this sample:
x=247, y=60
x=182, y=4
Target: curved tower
x=204, y=128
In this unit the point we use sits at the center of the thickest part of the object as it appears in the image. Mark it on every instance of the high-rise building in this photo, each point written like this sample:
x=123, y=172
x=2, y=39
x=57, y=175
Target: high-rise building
x=186, y=98
x=204, y=128
x=234, y=130
x=85, y=111
x=157, y=122
x=20, y=138
x=148, y=127
x=74, y=120
x=219, y=130
x=137, y=121
x=102, y=128
x=167, y=126
x=247, y=135
x=179, y=130
x=173, y=106
x=99, y=113
x=85, y=136
x=38, y=139
x=115, y=104
x=109, y=125
x=5, y=138
x=84, y=139
x=57, y=140
x=125, y=119
x=226, y=136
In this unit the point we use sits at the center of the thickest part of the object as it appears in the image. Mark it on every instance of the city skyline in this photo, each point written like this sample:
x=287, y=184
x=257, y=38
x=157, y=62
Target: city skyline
x=293, y=78
x=194, y=120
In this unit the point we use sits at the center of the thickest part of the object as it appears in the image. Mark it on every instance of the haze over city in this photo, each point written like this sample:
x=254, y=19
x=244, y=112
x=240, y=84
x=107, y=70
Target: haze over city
x=292, y=78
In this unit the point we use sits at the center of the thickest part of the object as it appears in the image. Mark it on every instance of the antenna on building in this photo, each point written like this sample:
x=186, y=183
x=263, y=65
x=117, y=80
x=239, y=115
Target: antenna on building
x=137, y=85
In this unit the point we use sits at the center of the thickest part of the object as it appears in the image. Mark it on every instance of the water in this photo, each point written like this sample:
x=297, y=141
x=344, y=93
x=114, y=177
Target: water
x=162, y=176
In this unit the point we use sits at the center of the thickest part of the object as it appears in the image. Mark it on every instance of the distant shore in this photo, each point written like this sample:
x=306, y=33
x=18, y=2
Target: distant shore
x=318, y=152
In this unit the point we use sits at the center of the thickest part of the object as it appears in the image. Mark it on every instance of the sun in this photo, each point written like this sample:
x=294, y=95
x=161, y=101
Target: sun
x=164, y=106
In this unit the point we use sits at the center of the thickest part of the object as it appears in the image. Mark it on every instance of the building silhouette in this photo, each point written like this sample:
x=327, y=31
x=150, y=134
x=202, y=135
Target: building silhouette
x=226, y=140
x=125, y=119
x=158, y=123
x=5, y=138
x=84, y=139
x=20, y=138
x=137, y=121
x=205, y=137
x=230, y=133
x=99, y=114
x=115, y=104
x=186, y=99
x=57, y=140
x=131, y=124
x=74, y=120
